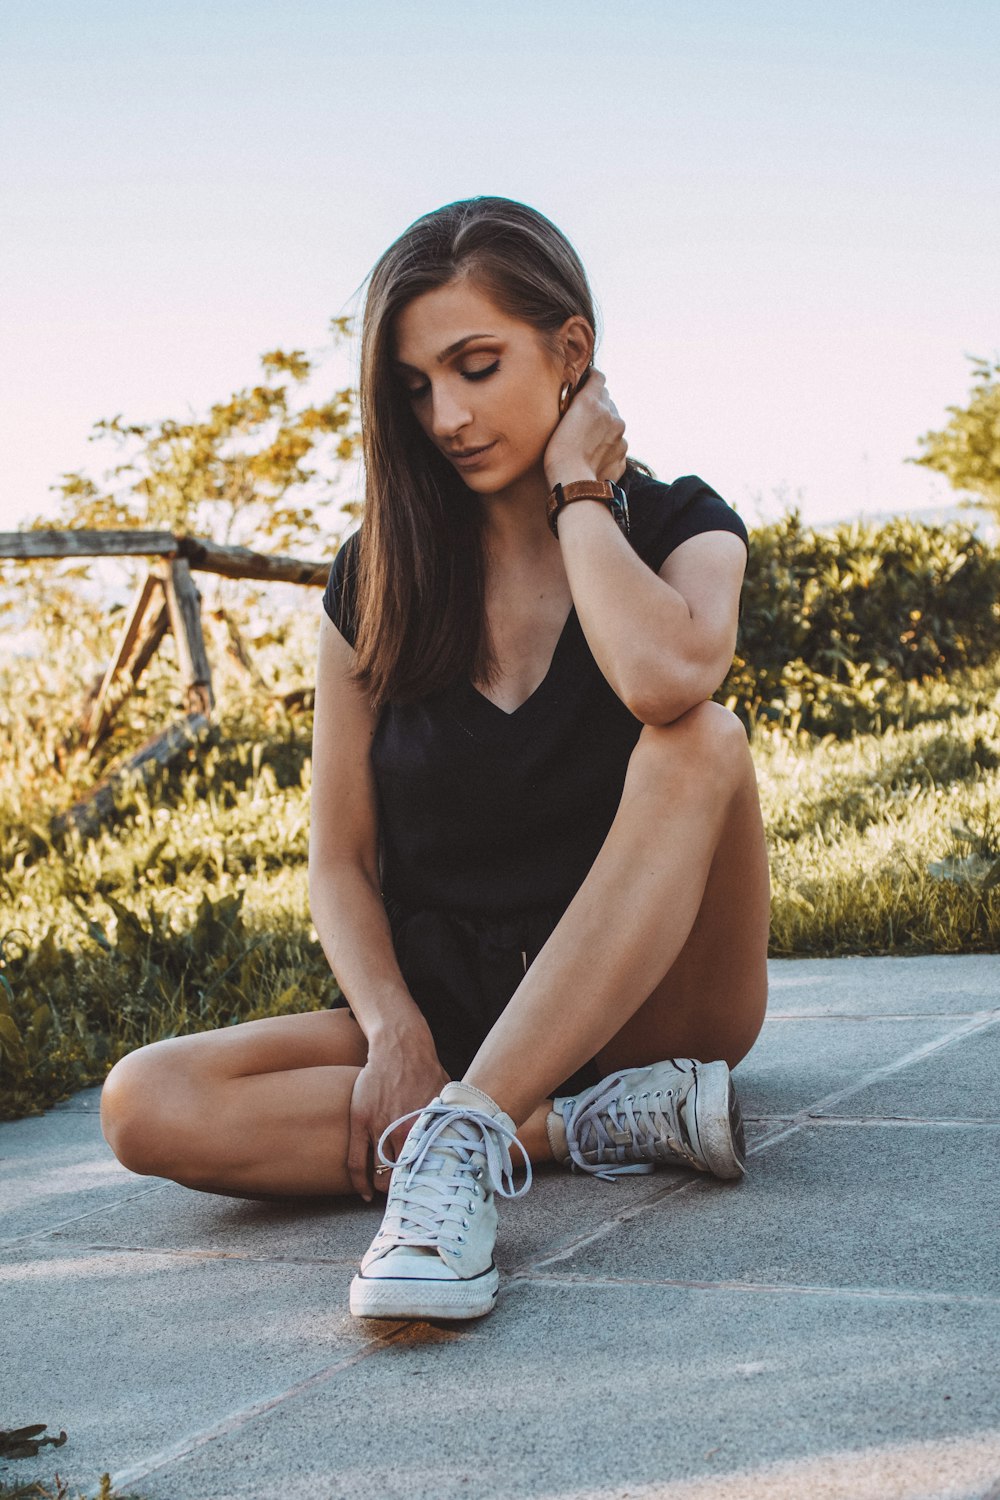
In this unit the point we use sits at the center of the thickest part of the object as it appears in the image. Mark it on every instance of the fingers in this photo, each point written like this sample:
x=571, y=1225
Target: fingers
x=392, y=1148
x=398, y=1140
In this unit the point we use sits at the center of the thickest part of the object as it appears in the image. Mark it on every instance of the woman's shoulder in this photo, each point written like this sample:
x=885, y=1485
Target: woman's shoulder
x=341, y=586
x=650, y=493
x=662, y=514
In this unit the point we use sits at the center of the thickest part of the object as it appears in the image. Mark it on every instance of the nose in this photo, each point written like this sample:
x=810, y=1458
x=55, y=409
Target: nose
x=449, y=413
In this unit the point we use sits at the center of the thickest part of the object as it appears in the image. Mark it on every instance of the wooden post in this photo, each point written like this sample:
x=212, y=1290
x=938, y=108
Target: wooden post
x=145, y=626
x=91, y=811
x=102, y=709
x=236, y=648
x=184, y=606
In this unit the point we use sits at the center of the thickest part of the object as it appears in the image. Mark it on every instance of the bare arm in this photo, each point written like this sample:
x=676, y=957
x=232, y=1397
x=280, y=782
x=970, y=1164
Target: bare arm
x=664, y=641
x=403, y=1071
x=344, y=894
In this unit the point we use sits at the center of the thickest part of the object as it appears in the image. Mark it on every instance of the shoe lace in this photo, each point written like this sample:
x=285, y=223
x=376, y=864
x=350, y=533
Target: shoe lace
x=441, y=1164
x=634, y=1131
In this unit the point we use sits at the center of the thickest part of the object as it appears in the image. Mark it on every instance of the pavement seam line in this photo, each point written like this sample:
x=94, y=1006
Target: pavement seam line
x=235, y=1420
x=37, y=1234
x=192, y=1252
x=958, y=1122
x=801, y=1289
x=814, y=1111
x=804, y=1117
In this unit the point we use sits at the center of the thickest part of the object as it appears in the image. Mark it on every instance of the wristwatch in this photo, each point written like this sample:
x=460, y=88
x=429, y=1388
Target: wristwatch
x=611, y=495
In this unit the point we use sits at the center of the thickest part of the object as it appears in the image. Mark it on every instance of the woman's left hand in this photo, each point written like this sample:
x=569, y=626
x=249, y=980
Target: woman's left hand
x=589, y=439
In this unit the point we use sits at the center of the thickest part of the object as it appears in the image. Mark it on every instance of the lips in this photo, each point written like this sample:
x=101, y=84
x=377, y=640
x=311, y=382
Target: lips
x=467, y=452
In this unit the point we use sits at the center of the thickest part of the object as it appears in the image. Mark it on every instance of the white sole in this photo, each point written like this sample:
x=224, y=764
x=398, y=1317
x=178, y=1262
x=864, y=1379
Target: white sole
x=388, y=1297
x=719, y=1122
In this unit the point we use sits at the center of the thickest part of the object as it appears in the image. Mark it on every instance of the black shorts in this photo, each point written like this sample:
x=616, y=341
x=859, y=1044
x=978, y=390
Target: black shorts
x=462, y=971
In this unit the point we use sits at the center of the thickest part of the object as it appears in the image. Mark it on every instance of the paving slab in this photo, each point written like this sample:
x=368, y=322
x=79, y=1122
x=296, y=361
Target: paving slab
x=572, y=1390
x=931, y=984
x=964, y=1085
x=905, y=1208
x=799, y=1060
x=826, y=1330
x=56, y=1167
x=126, y=1351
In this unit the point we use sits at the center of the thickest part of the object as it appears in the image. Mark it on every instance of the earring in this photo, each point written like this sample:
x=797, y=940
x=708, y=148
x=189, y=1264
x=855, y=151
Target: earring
x=565, y=396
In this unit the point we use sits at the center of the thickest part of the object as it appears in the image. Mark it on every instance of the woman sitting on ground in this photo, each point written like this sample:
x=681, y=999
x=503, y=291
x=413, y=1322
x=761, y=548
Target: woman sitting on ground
x=537, y=858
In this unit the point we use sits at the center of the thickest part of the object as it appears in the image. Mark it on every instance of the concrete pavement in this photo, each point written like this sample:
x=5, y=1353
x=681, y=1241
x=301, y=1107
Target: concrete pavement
x=828, y=1329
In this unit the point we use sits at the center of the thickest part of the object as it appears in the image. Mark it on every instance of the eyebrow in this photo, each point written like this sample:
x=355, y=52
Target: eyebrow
x=451, y=349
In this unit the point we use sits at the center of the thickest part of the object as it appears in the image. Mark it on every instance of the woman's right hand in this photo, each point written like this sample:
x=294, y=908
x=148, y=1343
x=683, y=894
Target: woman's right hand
x=400, y=1075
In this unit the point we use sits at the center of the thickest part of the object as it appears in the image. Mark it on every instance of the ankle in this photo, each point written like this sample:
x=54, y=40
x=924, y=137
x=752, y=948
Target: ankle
x=534, y=1134
x=555, y=1130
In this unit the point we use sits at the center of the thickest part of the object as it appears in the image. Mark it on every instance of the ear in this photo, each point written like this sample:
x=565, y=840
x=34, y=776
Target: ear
x=577, y=340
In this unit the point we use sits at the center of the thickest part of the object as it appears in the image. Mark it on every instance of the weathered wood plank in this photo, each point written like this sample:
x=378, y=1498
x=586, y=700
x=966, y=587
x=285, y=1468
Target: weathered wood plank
x=236, y=647
x=29, y=544
x=100, y=710
x=150, y=639
x=241, y=562
x=142, y=635
x=91, y=811
x=203, y=555
x=184, y=605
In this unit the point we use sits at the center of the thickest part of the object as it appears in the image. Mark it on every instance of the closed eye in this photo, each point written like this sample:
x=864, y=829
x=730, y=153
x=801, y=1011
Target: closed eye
x=416, y=391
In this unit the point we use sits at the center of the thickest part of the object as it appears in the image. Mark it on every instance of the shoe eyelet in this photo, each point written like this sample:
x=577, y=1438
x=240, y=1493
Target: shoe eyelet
x=465, y=1223
x=460, y=1238
x=478, y=1173
x=457, y=1254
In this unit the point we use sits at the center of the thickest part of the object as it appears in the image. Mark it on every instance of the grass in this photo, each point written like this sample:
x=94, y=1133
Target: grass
x=191, y=911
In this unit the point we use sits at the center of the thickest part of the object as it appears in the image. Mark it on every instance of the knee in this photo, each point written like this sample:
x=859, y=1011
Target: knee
x=133, y=1116
x=707, y=746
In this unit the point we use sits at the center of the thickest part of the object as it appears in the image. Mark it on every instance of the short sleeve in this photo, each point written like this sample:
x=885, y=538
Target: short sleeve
x=339, y=597
x=665, y=515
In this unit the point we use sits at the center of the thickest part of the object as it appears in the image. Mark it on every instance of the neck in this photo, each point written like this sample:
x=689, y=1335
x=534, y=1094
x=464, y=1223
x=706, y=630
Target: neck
x=516, y=523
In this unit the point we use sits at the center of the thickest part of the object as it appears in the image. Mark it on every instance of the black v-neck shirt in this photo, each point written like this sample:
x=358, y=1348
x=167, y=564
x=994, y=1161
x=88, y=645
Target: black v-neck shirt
x=485, y=813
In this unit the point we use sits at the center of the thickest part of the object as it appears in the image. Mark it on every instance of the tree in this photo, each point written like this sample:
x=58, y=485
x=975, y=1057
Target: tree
x=967, y=451
x=238, y=475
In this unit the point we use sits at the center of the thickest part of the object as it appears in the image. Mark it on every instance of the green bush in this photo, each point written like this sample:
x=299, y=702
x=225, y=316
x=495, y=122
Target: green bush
x=836, y=623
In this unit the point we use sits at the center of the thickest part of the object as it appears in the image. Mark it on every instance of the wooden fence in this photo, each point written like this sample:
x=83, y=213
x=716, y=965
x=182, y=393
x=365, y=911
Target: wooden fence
x=166, y=599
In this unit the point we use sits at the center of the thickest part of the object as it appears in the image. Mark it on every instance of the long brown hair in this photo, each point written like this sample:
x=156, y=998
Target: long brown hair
x=421, y=571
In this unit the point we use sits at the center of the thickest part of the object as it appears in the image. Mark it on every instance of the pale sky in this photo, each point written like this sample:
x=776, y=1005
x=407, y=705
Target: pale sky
x=789, y=213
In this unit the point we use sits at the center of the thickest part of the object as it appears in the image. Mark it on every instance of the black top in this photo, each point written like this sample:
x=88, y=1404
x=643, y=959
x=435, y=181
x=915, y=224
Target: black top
x=484, y=812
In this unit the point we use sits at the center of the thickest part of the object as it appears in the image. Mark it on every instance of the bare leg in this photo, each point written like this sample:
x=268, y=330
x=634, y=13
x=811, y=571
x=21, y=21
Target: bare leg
x=662, y=951
x=256, y=1110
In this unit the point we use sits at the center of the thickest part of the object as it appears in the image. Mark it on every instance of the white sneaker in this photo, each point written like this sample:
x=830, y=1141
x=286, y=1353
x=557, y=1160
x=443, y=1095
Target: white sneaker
x=674, y=1113
x=433, y=1256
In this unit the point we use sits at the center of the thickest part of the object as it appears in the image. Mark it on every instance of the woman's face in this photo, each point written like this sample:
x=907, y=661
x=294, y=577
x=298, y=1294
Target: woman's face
x=477, y=378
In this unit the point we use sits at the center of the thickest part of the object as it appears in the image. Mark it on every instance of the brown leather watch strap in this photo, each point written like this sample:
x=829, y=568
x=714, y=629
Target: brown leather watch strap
x=586, y=489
